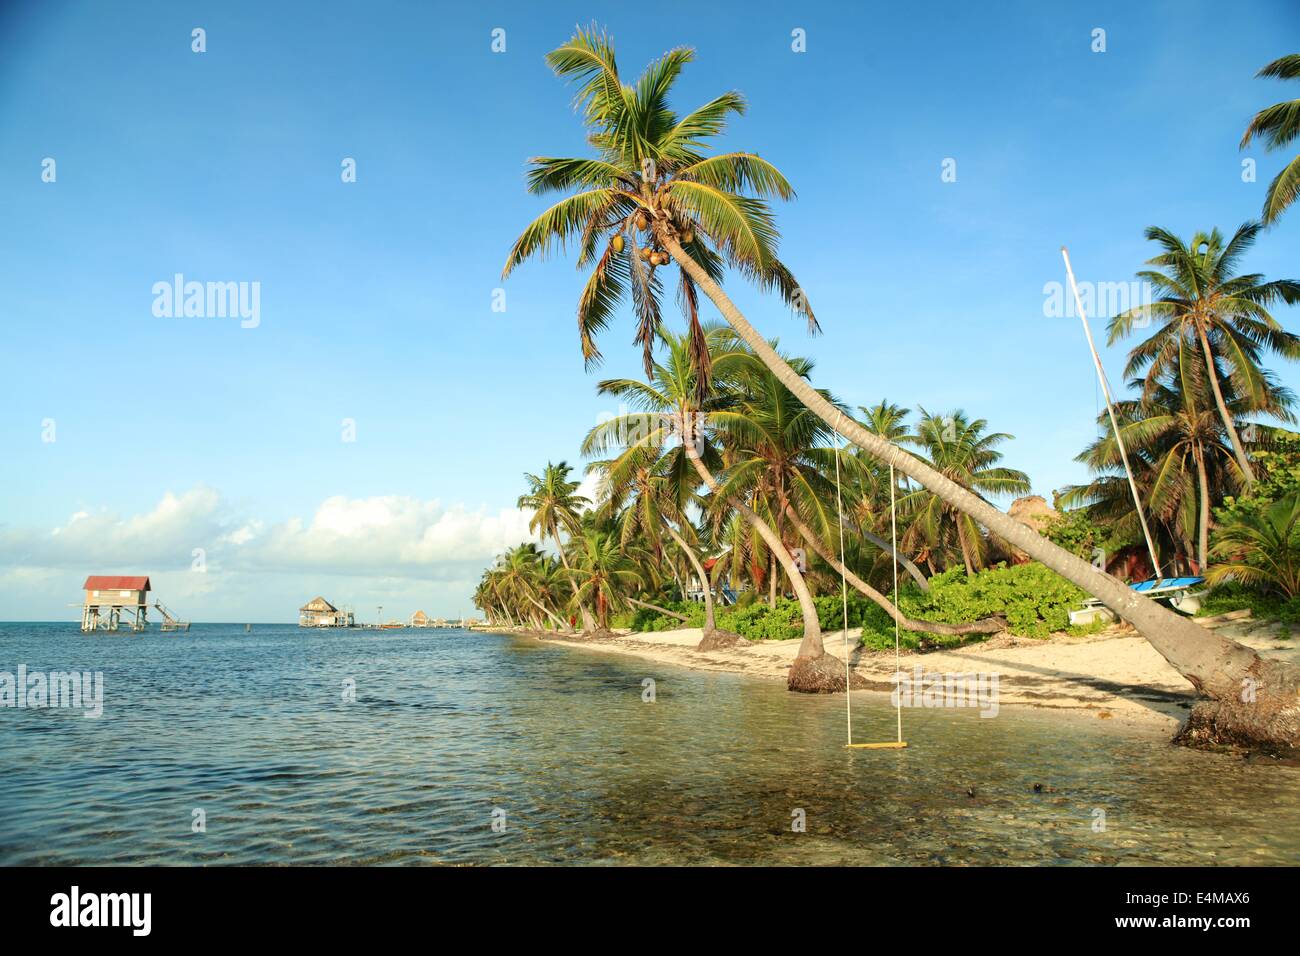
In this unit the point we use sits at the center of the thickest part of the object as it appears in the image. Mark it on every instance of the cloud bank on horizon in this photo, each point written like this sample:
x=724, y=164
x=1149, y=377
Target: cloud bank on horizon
x=212, y=561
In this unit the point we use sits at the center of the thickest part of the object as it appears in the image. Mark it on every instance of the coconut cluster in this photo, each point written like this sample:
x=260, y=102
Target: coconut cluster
x=656, y=257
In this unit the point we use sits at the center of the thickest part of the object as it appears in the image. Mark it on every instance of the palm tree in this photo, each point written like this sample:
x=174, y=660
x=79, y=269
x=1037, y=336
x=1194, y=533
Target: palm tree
x=1278, y=125
x=1180, y=454
x=651, y=164
x=708, y=214
x=963, y=452
x=867, y=486
x=605, y=573
x=649, y=500
x=1261, y=548
x=519, y=572
x=885, y=419
x=555, y=504
x=1203, y=302
x=771, y=443
x=549, y=580
x=673, y=427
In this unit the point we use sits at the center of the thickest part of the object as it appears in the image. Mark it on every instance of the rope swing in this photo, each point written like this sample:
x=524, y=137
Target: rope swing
x=899, y=743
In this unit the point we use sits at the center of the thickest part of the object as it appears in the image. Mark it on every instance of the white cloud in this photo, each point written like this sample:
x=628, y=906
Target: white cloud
x=358, y=548
x=165, y=535
x=394, y=535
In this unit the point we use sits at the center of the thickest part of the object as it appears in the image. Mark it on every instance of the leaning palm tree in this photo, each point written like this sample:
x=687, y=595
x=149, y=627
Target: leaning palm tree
x=963, y=451
x=645, y=504
x=1203, y=302
x=556, y=505
x=1278, y=125
x=776, y=448
x=652, y=187
x=519, y=570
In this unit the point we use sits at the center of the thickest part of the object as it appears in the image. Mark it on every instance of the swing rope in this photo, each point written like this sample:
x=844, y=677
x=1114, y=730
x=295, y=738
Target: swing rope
x=893, y=545
x=844, y=600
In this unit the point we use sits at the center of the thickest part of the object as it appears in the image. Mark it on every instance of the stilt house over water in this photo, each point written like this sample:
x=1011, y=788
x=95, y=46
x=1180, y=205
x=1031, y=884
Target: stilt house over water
x=110, y=597
x=319, y=612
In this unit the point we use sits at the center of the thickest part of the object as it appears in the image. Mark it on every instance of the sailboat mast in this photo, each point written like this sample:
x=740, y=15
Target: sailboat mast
x=1110, y=409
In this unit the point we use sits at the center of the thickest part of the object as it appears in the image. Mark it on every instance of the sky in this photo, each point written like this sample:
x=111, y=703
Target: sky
x=365, y=437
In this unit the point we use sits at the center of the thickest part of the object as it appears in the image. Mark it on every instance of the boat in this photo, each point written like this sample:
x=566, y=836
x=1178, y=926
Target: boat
x=1177, y=592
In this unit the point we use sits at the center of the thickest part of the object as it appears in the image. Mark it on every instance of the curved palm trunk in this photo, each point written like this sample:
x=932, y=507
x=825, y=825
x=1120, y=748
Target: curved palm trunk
x=908, y=565
x=588, y=623
x=1214, y=665
x=705, y=584
x=1212, y=373
x=988, y=626
x=810, y=647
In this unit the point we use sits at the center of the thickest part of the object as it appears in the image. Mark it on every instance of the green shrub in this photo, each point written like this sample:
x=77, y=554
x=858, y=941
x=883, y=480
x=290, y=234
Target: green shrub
x=646, y=620
x=1035, y=602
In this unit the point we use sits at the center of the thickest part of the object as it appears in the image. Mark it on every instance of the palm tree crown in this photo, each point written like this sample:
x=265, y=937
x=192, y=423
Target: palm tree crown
x=652, y=176
x=1204, y=304
x=960, y=449
x=1278, y=125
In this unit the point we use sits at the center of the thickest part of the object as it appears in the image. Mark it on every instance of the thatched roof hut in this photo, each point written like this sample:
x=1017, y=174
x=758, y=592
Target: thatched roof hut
x=319, y=612
x=1032, y=510
x=419, y=619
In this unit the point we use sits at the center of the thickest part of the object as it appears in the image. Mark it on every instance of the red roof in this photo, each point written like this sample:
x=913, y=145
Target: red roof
x=112, y=582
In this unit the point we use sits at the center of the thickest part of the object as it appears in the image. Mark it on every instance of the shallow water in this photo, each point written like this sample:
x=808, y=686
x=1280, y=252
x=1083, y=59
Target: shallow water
x=448, y=726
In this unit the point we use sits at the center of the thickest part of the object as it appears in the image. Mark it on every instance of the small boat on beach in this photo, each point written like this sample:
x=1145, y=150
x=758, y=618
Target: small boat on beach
x=1177, y=592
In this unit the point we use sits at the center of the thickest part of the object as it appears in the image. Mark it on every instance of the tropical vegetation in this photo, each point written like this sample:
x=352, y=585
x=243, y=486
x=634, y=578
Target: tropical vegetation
x=728, y=498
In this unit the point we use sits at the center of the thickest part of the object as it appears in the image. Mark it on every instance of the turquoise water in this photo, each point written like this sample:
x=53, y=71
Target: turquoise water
x=448, y=726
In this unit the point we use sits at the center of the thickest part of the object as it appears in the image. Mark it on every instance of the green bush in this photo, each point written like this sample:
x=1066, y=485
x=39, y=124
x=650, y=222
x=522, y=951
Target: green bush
x=1035, y=602
x=758, y=622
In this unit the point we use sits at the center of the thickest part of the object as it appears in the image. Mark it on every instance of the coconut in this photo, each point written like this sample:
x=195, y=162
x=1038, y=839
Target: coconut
x=640, y=221
x=647, y=253
x=688, y=236
x=616, y=244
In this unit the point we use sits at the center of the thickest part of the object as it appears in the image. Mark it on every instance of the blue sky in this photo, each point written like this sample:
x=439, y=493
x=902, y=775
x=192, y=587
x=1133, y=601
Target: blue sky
x=376, y=295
